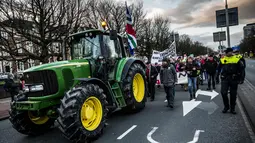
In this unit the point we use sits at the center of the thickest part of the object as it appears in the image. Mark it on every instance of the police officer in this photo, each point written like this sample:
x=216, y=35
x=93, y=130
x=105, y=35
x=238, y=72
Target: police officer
x=238, y=55
x=231, y=68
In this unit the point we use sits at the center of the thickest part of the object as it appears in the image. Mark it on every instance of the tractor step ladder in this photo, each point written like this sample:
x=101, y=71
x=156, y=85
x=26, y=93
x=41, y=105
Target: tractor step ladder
x=118, y=94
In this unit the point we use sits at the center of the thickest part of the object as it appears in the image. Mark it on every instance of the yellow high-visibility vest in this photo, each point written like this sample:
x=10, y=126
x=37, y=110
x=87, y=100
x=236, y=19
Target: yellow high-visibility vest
x=239, y=56
x=230, y=60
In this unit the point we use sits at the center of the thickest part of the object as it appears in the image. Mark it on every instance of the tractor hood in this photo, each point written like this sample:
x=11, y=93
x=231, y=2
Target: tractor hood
x=59, y=64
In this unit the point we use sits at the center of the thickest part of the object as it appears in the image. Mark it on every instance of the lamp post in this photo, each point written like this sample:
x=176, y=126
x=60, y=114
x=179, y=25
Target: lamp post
x=227, y=22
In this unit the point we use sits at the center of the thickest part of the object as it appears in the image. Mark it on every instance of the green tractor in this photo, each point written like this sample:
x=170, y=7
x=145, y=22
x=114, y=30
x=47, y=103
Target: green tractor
x=99, y=79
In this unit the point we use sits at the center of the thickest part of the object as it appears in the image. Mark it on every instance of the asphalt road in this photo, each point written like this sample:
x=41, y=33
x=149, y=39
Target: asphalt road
x=158, y=124
x=250, y=71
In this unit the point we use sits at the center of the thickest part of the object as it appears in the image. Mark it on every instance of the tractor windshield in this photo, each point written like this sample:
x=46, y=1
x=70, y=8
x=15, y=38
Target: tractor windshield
x=86, y=47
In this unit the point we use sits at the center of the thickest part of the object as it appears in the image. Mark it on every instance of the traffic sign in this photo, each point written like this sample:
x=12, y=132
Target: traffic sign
x=221, y=17
x=219, y=36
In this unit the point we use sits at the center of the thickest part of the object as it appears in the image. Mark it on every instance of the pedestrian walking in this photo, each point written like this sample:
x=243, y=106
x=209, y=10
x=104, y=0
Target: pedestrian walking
x=11, y=87
x=151, y=74
x=211, y=67
x=191, y=69
x=231, y=68
x=168, y=78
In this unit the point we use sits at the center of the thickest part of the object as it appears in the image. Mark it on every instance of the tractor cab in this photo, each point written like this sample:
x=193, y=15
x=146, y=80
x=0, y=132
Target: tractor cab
x=103, y=49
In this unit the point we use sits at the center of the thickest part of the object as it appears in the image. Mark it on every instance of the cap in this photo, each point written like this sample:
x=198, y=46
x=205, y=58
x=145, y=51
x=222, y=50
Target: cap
x=228, y=50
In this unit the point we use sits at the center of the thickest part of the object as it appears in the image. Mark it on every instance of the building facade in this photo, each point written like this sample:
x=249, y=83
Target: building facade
x=249, y=30
x=7, y=62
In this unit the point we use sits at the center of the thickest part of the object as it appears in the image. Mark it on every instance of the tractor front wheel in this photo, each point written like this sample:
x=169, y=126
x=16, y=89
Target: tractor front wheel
x=82, y=113
x=30, y=122
x=135, y=88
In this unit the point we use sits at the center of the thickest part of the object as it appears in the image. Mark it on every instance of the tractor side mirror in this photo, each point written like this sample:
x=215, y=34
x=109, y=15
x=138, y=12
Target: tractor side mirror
x=113, y=35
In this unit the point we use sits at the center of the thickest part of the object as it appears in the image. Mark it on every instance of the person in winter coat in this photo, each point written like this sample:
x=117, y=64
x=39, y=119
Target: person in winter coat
x=211, y=67
x=168, y=78
x=191, y=68
x=157, y=67
x=11, y=87
x=151, y=74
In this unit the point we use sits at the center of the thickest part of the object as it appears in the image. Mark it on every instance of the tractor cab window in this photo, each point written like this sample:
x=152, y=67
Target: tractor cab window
x=112, y=47
x=84, y=47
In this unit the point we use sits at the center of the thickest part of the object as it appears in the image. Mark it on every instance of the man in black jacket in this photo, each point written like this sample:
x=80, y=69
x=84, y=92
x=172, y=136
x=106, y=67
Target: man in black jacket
x=211, y=67
x=168, y=78
x=11, y=87
x=151, y=74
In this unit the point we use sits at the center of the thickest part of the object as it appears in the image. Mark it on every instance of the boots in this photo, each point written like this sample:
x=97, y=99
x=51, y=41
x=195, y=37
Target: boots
x=191, y=97
x=194, y=96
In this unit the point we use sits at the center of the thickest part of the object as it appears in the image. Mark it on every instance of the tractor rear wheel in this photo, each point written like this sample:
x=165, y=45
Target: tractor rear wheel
x=30, y=123
x=82, y=113
x=134, y=86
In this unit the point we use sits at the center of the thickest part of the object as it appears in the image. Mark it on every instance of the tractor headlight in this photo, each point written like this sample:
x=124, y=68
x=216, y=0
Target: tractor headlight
x=33, y=88
x=36, y=88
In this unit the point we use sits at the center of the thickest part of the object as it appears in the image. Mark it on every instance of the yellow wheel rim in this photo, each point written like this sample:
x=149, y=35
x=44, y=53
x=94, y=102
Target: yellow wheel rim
x=91, y=113
x=138, y=87
x=38, y=120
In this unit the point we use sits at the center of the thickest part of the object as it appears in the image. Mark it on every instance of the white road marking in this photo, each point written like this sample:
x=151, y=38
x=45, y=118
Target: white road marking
x=189, y=106
x=196, y=136
x=247, y=124
x=125, y=133
x=212, y=94
x=149, y=138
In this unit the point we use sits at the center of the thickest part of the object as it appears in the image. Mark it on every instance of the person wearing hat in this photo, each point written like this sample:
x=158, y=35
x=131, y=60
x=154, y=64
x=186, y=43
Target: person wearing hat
x=231, y=68
x=211, y=67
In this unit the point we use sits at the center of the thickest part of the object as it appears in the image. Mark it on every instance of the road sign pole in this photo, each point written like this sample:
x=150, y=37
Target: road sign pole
x=227, y=22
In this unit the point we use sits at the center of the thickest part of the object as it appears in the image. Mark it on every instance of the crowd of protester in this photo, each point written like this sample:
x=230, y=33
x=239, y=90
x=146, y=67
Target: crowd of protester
x=231, y=67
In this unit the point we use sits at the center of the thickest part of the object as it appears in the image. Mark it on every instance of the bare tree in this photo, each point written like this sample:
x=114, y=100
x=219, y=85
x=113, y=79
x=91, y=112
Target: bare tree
x=41, y=22
x=146, y=39
x=162, y=33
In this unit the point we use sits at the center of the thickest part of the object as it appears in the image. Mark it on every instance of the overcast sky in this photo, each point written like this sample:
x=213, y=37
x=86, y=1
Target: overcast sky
x=197, y=17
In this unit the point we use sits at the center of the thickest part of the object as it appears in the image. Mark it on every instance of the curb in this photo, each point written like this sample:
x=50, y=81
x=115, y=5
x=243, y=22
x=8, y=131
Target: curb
x=4, y=117
x=248, y=108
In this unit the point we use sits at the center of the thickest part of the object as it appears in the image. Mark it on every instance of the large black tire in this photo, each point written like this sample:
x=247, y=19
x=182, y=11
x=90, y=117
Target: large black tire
x=70, y=114
x=22, y=123
x=132, y=104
